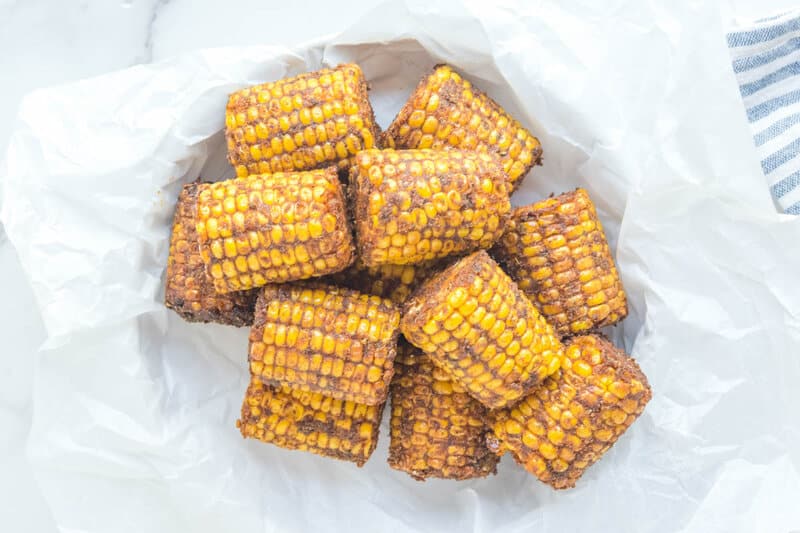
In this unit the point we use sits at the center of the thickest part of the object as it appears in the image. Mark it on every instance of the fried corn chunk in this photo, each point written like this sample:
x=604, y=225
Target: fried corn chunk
x=446, y=111
x=558, y=254
x=437, y=429
x=474, y=322
x=273, y=228
x=412, y=206
x=309, y=121
x=394, y=282
x=189, y=291
x=325, y=339
x=570, y=421
x=309, y=421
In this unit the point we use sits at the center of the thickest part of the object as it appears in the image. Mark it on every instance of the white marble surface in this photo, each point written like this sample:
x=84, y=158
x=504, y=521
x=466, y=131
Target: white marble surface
x=46, y=42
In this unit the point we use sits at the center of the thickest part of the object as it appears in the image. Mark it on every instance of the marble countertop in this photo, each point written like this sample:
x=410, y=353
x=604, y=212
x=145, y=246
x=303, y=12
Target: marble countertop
x=47, y=42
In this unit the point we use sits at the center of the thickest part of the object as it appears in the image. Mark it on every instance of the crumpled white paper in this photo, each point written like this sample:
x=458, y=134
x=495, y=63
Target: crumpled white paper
x=134, y=409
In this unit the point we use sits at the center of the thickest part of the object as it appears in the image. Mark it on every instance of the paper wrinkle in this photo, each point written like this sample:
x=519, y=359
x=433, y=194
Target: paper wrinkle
x=134, y=409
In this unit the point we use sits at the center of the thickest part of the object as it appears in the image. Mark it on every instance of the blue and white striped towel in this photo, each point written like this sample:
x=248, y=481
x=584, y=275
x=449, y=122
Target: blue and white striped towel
x=766, y=61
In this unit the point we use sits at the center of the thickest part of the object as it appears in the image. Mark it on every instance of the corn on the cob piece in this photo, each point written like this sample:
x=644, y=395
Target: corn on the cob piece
x=273, y=228
x=558, y=254
x=309, y=121
x=189, y=291
x=446, y=111
x=474, y=322
x=309, y=421
x=417, y=205
x=437, y=429
x=394, y=282
x=325, y=339
x=577, y=414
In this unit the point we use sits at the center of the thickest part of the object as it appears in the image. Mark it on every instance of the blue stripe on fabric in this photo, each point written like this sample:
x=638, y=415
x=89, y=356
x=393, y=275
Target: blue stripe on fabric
x=786, y=185
x=793, y=209
x=760, y=35
x=767, y=134
x=750, y=62
x=765, y=108
x=792, y=69
x=787, y=153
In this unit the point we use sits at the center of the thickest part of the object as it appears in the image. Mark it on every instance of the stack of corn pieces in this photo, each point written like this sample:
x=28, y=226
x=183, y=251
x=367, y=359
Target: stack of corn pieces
x=334, y=239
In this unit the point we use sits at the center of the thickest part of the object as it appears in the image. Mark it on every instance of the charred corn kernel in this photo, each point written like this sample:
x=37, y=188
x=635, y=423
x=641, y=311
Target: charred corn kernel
x=395, y=282
x=437, y=429
x=189, y=288
x=335, y=342
x=574, y=417
x=567, y=271
x=270, y=127
x=298, y=420
x=481, y=364
x=390, y=200
x=275, y=208
x=446, y=111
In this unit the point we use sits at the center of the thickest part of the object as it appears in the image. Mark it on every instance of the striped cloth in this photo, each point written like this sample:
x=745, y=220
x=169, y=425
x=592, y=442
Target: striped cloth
x=766, y=60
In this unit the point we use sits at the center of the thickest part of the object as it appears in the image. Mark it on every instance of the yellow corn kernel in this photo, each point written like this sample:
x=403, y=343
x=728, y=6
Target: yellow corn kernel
x=551, y=244
x=436, y=428
x=424, y=192
x=569, y=421
x=348, y=345
x=190, y=288
x=424, y=123
x=279, y=224
x=582, y=368
x=275, y=415
x=395, y=282
x=333, y=119
x=485, y=357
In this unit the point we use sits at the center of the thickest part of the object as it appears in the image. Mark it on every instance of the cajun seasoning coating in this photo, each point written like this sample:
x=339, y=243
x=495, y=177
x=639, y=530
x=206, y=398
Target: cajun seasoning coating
x=474, y=322
x=446, y=111
x=189, y=291
x=309, y=121
x=412, y=206
x=558, y=254
x=325, y=339
x=577, y=414
x=273, y=228
x=437, y=429
x=395, y=282
x=309, y=421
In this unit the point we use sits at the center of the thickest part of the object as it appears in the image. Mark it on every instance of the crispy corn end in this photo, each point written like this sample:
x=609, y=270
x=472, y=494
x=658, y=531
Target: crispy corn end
x=437, y=429
x=412, y=206
x=570, y=421
x=309, y=421
x=189, y=292
x=394, y=282
x=474, y=322
x=447, y=111
x=273, y=228
x=309, y=121
x=558, y=254
x=325, y=339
